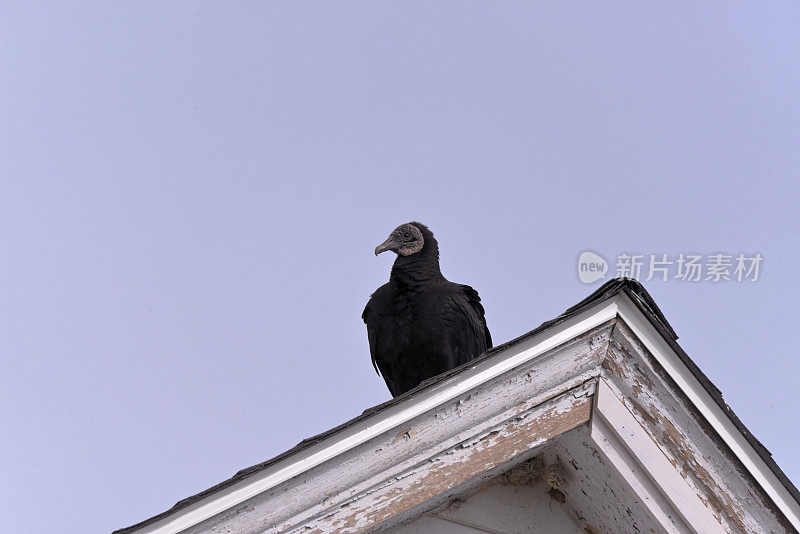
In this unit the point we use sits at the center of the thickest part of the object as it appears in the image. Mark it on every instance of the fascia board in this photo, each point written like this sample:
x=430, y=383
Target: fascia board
x=688, y=383
x=633, y=453
x=393, y=416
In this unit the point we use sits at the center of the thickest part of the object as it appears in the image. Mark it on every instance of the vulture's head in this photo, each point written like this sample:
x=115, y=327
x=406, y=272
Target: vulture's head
x=406, y=239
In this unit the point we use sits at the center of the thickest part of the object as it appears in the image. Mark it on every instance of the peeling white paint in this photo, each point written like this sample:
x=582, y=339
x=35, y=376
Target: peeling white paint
x=344, y=482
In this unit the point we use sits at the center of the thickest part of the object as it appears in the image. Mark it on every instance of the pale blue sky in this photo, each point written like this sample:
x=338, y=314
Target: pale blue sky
x=190, y=194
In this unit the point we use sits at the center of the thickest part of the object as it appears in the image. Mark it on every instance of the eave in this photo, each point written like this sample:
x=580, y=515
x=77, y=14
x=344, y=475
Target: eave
x=567, y=354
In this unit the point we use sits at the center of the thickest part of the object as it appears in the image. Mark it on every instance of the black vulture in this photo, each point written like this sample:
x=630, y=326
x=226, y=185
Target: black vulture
x=419, y=324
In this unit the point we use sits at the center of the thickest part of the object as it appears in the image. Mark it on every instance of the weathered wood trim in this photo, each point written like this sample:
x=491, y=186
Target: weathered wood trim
x=369, y=465
x=686, y=438
x=470, y=458
x=233, y=500
x=594, y=491
x=355, y=462
x=642, y=465
x=697, y=395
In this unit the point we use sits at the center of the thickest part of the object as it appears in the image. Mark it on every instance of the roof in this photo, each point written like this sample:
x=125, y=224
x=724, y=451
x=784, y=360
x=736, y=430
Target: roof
x=629, y=287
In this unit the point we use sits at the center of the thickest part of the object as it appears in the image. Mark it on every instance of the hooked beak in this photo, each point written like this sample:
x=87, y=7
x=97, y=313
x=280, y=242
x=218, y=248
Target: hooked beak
x=389, y=244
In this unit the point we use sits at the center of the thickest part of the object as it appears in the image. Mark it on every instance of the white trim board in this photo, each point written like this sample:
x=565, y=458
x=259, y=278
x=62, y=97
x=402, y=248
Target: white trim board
x=618, y=306
x=384, y=420
x=639, y=461
x=700, y=398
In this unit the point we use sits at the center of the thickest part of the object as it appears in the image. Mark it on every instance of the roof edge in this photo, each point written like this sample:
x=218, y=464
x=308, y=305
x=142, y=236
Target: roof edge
x=631, y=288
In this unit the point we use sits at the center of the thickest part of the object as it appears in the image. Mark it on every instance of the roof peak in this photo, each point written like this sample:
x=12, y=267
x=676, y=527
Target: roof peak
x=636, y=309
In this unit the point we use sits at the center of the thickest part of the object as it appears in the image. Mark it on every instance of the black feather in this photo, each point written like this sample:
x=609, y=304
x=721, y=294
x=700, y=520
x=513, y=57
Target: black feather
x=419, y=324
